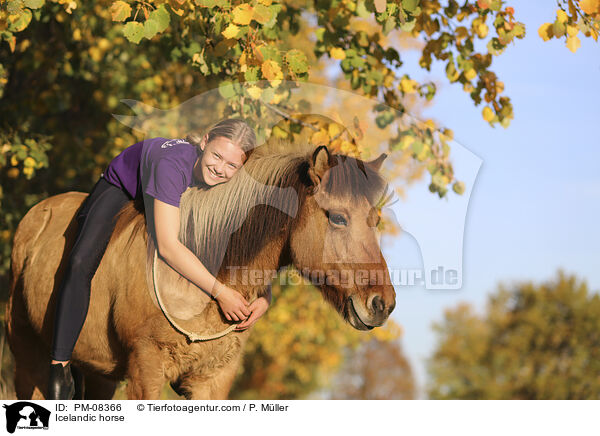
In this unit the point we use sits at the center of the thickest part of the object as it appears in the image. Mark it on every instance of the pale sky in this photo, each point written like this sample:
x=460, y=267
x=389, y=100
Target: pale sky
x=536, y=201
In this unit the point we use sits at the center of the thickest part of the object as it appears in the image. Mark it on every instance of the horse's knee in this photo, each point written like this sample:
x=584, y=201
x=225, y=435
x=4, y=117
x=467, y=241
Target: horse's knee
x=145, y=377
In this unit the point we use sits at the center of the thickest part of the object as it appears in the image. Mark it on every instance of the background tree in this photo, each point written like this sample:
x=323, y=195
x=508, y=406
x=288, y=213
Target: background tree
x=533, y=342
x=299, y=345
x=56, y=103
x=375, y=370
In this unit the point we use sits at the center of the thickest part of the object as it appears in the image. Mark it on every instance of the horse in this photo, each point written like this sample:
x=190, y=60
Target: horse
x=312, y=209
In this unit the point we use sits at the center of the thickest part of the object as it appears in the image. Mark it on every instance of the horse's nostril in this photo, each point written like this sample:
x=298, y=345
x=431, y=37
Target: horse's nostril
x=378, y=304
x=391, y=308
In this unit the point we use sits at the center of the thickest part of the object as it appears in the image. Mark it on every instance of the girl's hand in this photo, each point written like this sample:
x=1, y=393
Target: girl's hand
x=258, y=308
x=232, y=303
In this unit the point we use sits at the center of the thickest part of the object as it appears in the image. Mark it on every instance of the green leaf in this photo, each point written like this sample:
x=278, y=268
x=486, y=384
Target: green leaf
x=251, y=74
x=161, y=16
x=20, y=21
x=496, y=5
x=410, y=5
x=133, y=31
x=34, y=4
x=14, y=6
x=357, y=62
x=408, y=26
x=150, y=28
x=417, y=147
x=389, y=25
x=296, y=61
x=270, y=52
x=211, y=3
x=361, y=9
x=262, y=14
x=226, y=89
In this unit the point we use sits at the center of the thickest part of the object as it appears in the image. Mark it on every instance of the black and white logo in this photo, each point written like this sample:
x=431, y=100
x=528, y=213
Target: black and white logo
x=26, y=415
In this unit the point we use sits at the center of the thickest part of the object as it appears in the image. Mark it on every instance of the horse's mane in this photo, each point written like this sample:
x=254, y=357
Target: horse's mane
x=244, y=213
x=258, y=203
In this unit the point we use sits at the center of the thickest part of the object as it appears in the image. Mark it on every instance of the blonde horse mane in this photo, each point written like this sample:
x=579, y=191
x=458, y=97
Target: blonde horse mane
x=263, y=197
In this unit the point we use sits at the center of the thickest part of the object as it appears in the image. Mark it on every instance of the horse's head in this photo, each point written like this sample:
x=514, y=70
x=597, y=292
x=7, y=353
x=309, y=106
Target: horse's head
x=333, y=241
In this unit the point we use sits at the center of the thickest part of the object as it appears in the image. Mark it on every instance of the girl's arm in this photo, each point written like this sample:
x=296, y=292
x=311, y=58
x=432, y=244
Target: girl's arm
x=182, y=260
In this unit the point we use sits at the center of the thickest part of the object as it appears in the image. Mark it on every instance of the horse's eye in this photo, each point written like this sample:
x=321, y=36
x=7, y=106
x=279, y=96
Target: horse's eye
x=337, y=219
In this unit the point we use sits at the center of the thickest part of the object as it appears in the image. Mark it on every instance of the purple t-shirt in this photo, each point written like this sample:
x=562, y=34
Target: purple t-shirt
x=159, y=167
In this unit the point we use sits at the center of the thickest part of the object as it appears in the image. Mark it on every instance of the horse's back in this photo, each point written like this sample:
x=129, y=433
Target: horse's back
x=41, y=238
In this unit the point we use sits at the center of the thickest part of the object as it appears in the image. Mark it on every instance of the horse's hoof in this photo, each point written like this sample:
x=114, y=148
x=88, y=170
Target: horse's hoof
x=61, y=385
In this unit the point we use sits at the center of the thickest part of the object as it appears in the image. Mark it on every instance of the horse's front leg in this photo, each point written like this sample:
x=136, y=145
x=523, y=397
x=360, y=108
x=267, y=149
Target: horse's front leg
x=145, y=375
x=196, y=386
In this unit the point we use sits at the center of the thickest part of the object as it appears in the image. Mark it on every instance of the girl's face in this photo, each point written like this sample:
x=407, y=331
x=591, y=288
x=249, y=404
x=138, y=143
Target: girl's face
x=220, y=161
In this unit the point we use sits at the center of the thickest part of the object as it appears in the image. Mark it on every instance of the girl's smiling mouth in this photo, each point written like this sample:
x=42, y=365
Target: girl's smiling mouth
x=213, y=174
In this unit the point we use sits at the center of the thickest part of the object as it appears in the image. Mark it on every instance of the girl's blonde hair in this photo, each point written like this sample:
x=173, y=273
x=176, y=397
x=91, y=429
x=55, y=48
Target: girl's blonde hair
x=234, y=129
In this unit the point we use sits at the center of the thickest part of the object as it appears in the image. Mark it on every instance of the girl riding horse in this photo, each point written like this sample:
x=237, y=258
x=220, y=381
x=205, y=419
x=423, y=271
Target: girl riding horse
x=159, y=170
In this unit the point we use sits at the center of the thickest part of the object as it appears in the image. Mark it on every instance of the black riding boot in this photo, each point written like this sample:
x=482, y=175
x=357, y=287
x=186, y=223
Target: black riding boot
x=60, y=382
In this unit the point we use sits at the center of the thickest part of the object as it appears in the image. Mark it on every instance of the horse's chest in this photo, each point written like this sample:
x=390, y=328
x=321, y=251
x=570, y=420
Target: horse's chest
x=205, y=357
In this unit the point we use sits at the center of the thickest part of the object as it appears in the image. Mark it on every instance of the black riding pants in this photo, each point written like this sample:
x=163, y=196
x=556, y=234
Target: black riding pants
x=96, y=223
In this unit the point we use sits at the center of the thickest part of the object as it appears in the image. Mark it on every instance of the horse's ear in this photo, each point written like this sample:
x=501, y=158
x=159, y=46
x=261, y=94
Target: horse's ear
x=319, y=164
x=376, y=163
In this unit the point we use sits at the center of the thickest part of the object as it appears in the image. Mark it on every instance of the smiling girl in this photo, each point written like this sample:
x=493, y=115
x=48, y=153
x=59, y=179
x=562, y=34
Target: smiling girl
x=160, y=170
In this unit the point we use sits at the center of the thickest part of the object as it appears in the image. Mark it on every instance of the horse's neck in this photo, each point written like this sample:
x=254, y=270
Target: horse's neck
x=253, y=278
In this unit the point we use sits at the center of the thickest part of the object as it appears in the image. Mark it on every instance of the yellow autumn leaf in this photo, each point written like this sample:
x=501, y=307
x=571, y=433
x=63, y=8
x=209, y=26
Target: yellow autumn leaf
x=590, y=7
x=95, y=53
x=29, y=162
x=572, y=30
x=347, y=147
x=254, y=92
x=482, y=30
x=561, y=16
x=406, y=141
x=278, y=132
x=388, y=81
x=573, y=43
x=545, y=31
x=231, y=31
x=334, y=129
x=449, y=134
x=271, y=70
x=408, y=86
x=431, y=124
x=488, y=114
x=470, y=74
x=120, y=11
x=103, y=44
x=320, y=137
x=337, y=53
x=242, y=14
